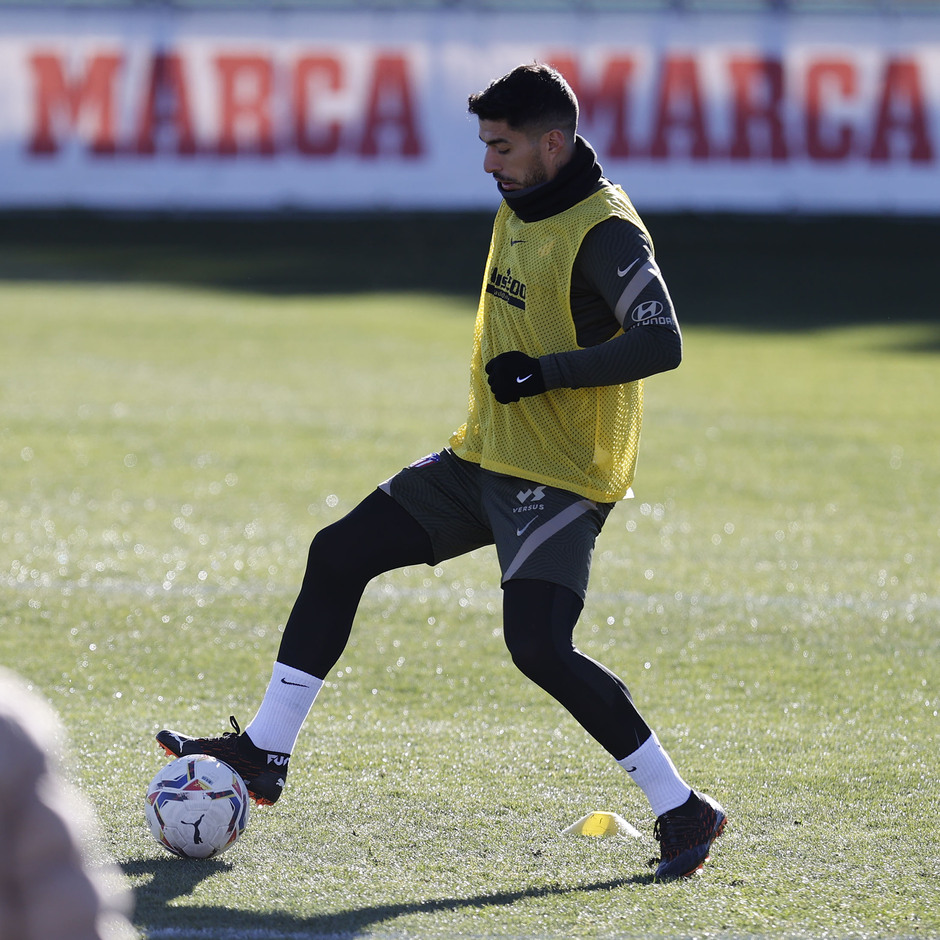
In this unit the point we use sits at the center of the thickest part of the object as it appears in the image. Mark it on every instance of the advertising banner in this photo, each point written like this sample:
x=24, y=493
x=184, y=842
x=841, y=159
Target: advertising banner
x=184, y=110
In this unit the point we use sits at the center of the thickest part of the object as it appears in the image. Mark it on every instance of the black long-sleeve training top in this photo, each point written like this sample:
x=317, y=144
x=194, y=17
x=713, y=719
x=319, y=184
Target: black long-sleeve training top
x=615, y=285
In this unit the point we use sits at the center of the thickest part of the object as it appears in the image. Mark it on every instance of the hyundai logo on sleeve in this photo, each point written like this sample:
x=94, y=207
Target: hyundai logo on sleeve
x=652, y=311
x=646, y=311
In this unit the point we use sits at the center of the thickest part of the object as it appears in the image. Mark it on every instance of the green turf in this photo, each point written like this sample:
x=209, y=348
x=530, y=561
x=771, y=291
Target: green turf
x=771, y=597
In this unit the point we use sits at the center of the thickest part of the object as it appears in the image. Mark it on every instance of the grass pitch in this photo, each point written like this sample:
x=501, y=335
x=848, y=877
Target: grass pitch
x=771, y=597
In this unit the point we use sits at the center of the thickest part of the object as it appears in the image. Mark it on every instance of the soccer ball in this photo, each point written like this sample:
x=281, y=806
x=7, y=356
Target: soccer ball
x=197, y=806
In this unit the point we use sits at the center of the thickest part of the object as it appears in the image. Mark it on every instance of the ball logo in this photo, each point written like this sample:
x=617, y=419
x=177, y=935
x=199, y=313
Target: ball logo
x=652, y=308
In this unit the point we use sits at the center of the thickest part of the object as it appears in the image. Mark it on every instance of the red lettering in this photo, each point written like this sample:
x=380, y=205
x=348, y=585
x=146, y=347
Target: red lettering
x=757, y=90
x=611, y=94
x=91, y=95
x=679, y=108
x=390, y=109
x=312, y=76
x=165, y=101
x=371, y=108
x=246, y=83
x=901, y=114
x=835, y=143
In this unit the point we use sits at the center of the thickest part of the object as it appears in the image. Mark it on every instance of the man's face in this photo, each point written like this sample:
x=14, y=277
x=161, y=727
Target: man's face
x=515, y=160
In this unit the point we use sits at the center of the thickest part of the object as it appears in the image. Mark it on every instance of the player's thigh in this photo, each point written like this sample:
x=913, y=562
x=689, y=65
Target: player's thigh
x=376, y=536
x=443, y=494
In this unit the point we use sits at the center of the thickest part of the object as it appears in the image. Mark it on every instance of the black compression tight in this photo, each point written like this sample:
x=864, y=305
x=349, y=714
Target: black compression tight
x=538, y=624
x=538, y=619
x=377, y=536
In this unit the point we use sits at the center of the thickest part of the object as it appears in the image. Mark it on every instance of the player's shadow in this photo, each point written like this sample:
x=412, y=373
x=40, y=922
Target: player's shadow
x=173, y=878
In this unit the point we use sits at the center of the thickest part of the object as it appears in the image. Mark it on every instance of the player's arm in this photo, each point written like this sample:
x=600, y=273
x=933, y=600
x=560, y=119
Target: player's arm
x=623, y=314
x=616, y=273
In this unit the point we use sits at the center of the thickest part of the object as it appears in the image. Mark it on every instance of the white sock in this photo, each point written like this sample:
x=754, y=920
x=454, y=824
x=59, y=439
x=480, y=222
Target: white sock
x=284, y=708
x=656, y=775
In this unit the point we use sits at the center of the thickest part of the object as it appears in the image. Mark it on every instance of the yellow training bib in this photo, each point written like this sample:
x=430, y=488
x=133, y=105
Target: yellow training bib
x=584, y=440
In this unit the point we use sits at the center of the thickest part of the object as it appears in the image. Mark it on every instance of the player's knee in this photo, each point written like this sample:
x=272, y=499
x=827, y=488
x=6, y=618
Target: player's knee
x=331, y=557
x=538, y=622
x=320, y=551
x=531, y=655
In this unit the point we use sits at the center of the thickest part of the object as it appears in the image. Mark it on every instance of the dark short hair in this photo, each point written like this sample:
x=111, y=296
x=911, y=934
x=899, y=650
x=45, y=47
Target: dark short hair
x=532, y=97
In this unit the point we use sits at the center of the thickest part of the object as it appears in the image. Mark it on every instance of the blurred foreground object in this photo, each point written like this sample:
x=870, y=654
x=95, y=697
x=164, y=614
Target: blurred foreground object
x=50, y=887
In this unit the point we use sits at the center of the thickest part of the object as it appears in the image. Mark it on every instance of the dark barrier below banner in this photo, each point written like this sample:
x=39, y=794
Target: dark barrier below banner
x=768, y=272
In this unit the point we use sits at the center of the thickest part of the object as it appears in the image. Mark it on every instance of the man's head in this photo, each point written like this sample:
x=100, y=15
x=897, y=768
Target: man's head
x=528, y=121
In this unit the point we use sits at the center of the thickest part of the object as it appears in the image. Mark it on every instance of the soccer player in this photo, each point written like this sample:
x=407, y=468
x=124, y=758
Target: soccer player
x=573, y=315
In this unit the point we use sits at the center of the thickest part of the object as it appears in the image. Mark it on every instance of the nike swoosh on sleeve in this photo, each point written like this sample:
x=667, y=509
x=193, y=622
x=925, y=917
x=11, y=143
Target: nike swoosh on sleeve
x=643, y=276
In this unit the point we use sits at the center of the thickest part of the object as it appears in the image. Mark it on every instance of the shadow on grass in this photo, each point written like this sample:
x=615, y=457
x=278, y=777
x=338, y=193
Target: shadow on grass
x=173, y=878
x=267, y=254
x=765, y=273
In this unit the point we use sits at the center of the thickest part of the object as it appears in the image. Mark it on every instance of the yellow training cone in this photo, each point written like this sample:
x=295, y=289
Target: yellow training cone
x=601, y=825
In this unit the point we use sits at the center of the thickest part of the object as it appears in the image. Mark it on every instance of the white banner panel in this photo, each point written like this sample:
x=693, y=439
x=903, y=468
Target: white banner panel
x=172, y=109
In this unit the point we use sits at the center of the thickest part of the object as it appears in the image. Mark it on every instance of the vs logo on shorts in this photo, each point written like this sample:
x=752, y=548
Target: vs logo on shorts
x=529, y=501
x=525, y=496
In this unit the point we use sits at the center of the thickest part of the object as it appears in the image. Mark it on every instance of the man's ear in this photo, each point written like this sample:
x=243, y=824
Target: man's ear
x=554, y=142
x=556, y=150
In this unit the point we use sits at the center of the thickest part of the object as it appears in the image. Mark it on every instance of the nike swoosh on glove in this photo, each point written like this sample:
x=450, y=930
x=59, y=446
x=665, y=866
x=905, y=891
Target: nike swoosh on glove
x=514, y=375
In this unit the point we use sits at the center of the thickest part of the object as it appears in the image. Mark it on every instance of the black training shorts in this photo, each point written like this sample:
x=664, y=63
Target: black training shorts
x=540, y=532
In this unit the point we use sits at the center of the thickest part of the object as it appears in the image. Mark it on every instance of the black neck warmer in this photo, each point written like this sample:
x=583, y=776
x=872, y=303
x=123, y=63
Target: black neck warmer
x=575, y=181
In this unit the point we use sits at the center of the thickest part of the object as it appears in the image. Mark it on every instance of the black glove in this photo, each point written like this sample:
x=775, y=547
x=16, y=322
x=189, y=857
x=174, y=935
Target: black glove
x=514, y=375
